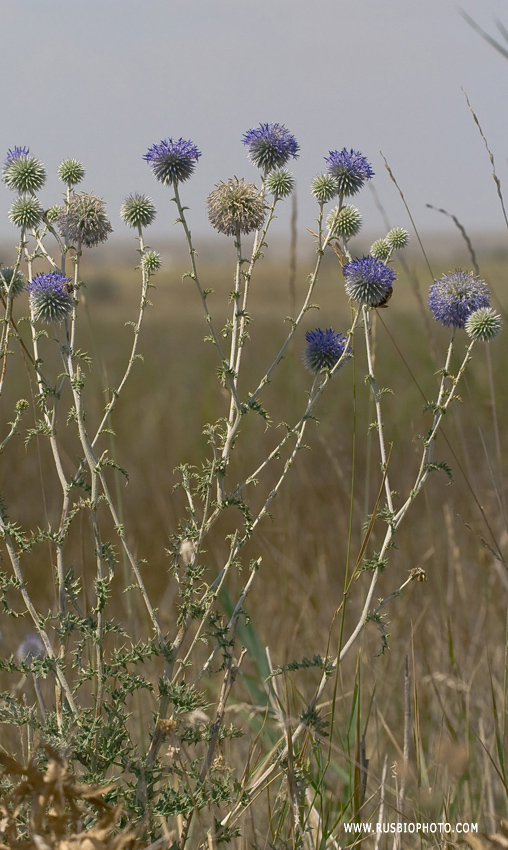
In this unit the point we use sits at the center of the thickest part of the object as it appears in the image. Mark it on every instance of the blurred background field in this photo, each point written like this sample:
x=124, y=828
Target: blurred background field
x=452, y=627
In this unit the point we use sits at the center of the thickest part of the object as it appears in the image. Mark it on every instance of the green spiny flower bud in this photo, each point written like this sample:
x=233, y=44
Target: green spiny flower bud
x=151, y=261
x=483, y=325
x=324, y=188
x=397, y=238
x=26, y=211
x=345, y=221
x=280, y=183
x=23, y=173
x=14, y=283
x=380, y=249
x=52, y=213
x=138, y=210
x=71, y=172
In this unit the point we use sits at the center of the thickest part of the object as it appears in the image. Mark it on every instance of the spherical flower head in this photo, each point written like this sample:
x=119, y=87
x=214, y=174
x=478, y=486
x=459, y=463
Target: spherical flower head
x=22, y=172
x=369, y=281
x=50, y=298
x=26, y=212
x=31, y=647
x=455, y=296
x=138, y=210
x=380, y=249
x=71, y=172
x=280, y=183
x=483, y=325
x=14, y=283
x=172, y=161
x=344, y=221
x=235, y=207
x=324, y=188
x=397, y=238
x=151, y=261
x=270, y=146
x=52, y=213
x=350, y=170
x=324, y=349
x=84, y=219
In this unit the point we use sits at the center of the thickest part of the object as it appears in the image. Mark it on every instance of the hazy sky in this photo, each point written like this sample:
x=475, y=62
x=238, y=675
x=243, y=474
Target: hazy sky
x=102, y=80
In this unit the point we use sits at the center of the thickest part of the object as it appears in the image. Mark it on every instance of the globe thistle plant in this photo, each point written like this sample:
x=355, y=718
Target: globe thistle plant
x=280, y=183
x=324, y=349
x=138, y=210
x=324, y=188
x=454, y=297
x=380, y=249
x=350, y=170
x=236, y=207
x=270, y=146
x=344, y=221
x=50, y=298
x=26, y=212
x=483, y=325
x=369, y=281
x=84, y=220
x=172, y=161
x=71, y=172
x=14, y=282
x=22, y=172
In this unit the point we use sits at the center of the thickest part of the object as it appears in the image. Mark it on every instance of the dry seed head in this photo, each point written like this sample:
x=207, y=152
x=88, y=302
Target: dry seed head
x=236, y=207
x=84, y=219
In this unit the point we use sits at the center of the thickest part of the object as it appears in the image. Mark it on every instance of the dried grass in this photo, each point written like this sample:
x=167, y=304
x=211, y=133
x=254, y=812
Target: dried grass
x=57, y=808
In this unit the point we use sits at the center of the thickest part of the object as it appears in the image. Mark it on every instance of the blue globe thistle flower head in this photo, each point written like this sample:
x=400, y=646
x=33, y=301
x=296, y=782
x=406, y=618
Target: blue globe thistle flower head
x=15, y=154
x=270, y=146
x=350, y=168
x=50, y=298
x=172, y=161
x=31, y=647
x=455, y=296
x=369, y=281
x=324, y=349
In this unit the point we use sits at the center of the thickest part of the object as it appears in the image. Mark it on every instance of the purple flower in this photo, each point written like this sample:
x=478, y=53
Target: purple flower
x=453, y=298
x=350, y=170
x=14, y=154
x=324, y=349
x=173, y=161
x=369, y=281
x=50, y=297
x=31, y=647
x=270, y=146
